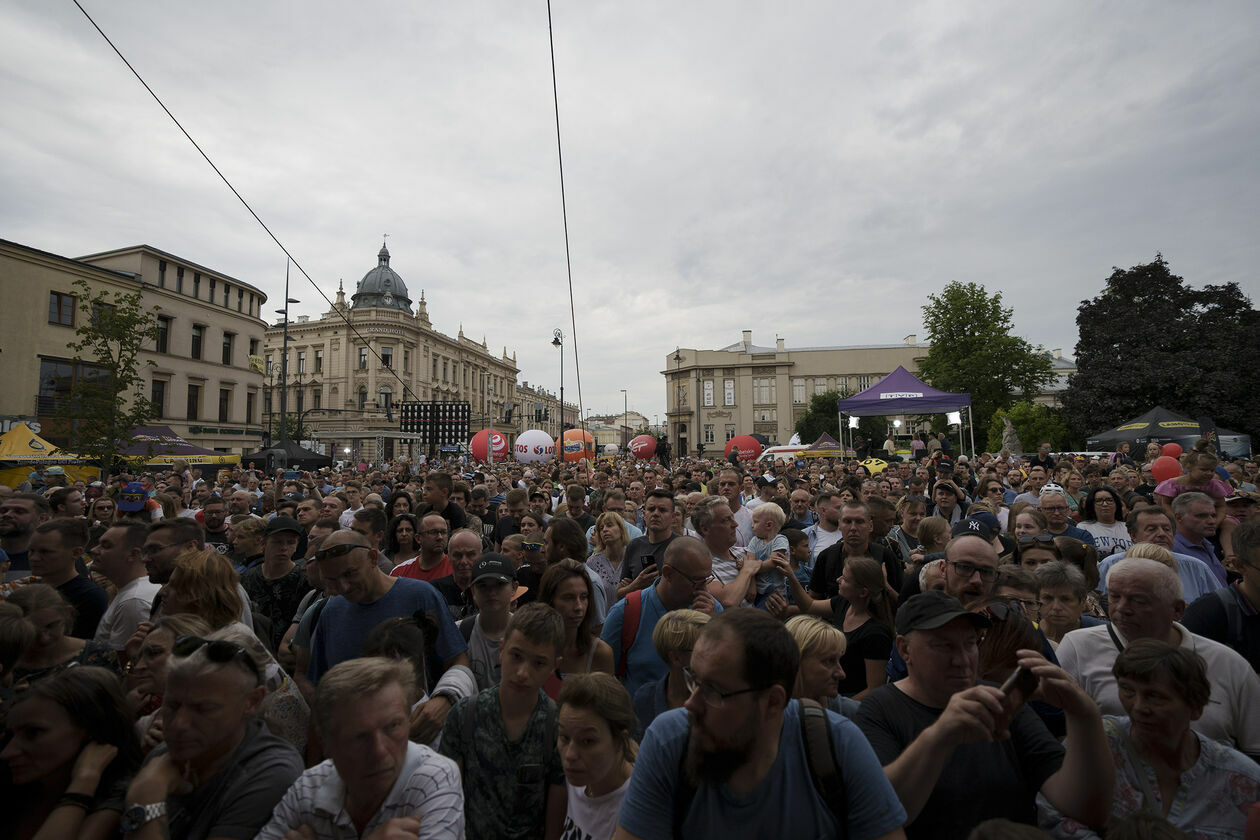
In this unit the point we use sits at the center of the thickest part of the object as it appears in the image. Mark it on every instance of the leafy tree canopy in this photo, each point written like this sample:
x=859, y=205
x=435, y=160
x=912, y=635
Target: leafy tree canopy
x=1150, y=339
x=1033, y=423
x=974, y=352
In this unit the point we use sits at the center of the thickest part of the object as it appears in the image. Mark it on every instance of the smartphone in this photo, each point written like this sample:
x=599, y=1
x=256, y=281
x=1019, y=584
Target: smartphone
x=1018, y=688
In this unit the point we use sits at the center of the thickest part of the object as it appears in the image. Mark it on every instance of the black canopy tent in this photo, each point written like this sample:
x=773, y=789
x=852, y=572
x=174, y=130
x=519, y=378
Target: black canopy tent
x=291, y=454
x=1160, y=425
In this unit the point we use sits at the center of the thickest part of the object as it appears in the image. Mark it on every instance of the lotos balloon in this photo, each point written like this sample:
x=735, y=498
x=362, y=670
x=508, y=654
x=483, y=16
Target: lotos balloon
x=749, y=447
x=643, y=446
x=499, y=446
x=534, y=446
x=1172, y=450
x=576, y=445
x=1165, y=467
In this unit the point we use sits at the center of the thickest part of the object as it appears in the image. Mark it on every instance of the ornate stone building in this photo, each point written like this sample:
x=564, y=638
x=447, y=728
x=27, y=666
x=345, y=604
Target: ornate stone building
x=348, y=370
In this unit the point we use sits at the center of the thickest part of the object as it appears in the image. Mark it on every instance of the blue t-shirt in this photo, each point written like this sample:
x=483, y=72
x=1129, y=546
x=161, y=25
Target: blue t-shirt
x=785, y=804
x=343, y=626
x=1077, y=534
x=643, y=664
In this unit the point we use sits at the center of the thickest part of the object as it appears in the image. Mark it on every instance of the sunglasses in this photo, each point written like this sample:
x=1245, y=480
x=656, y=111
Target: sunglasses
x=532, y=546
x=218, y=651
x=1029, y=539
x=336, y=551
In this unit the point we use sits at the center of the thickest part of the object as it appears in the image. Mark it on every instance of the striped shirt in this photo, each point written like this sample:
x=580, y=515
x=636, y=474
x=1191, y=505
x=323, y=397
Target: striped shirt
x=428, y=787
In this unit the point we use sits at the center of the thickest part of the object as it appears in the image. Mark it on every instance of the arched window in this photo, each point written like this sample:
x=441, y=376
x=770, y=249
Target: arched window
x=362, y=397
x=384, y=398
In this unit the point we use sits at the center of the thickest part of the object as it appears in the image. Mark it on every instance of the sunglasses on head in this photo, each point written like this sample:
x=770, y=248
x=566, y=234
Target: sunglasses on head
x=336, y=551
x=1029, y=539
x=218, y=651
x=530, y=546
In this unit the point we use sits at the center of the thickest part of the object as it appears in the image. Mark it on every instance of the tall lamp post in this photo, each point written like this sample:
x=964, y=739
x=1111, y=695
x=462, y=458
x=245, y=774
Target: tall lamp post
x=625, y=417
x=557, y=340
x=678, y=398
x=284, y=363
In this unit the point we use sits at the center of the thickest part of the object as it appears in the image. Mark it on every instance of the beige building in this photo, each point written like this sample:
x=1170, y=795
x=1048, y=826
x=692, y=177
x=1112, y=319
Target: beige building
x=714, y=395
x=200, y=378
x=540, y=409
x=348, y=370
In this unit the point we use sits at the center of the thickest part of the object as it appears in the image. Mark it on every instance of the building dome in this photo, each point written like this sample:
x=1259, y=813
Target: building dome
x=382, y=287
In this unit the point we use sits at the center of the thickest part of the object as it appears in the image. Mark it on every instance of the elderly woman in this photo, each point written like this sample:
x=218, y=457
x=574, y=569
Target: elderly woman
x=1062, y=590
x=147, y=671
x=1162, y=766
x=673, y=637
x=822, y=646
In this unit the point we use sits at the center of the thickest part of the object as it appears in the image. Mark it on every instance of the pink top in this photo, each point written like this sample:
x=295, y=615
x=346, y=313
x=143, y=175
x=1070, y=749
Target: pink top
x=1217, y=489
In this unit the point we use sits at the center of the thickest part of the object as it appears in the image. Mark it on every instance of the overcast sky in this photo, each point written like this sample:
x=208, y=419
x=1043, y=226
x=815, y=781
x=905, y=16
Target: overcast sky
x=810, y=170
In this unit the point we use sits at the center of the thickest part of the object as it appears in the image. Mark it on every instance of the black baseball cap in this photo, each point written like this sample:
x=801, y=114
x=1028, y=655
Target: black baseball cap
x=278, y=524
x=496, y=566
x=982, y=524
x=932, y=610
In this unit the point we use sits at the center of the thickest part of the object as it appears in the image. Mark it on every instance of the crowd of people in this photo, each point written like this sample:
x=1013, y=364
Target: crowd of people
x=991, y=647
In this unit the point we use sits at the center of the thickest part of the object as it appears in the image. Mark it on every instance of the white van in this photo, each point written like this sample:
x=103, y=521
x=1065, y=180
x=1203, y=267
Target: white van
x=780, y=453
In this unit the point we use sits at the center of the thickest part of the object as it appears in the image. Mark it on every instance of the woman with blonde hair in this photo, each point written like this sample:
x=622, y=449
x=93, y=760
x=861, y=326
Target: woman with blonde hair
x=53, y=650
x=673, y=637
x=595, y=727
x=146, y=673
x=822, y=645
x=933, y=534
x=610, y=538
x=204, y=583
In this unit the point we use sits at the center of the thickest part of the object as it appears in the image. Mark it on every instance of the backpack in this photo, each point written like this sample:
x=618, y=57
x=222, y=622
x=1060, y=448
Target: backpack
x=823, y=771
x=629, y=628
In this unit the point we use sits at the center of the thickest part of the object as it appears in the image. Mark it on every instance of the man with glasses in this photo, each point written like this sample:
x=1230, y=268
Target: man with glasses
x=431, y=563
x=1054, y=505
x=220, y=771
x=685, y=576
x=959, y=752
x=167, y=540
x=733, y=761
x=361, y=597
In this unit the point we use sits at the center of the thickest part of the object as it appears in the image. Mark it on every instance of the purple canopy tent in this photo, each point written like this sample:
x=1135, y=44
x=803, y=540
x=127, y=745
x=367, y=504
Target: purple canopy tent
x=901, y=392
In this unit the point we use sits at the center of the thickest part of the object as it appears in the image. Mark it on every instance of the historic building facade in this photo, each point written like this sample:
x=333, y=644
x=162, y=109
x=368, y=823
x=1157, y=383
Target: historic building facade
x=198, y=374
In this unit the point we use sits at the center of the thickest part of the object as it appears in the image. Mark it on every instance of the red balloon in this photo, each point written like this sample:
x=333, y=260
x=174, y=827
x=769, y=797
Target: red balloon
x=1165, y=467
x=643, y=446
x=478, y=446
x=1172, y=450
x=749, y=447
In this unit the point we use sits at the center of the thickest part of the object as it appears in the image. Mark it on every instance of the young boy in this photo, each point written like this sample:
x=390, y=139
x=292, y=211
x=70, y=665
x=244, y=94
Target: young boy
x=493, y=591
x=767, y=542
x=799, y=555
x=504, y=739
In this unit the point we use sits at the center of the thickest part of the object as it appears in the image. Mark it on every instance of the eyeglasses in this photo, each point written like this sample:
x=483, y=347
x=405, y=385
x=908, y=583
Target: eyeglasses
x=966, y=570
x=1002, y=612
x=336, y=551
x=218, y=651
x=1104, y=501
x=155, y=549
x=712, y=698
x=696, y=582
x=433, y=532
x=1029, y=539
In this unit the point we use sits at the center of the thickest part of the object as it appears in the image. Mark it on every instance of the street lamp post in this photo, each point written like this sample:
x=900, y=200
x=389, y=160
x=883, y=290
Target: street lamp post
x=557, y=340
x=284, y=362
x=625, y=417
x=678, y=398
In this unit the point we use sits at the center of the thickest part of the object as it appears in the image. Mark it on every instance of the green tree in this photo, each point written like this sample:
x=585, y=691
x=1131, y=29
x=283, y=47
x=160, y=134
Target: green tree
x=296, y=431
x=823, y=416
x=1033, y=423
x=974, y=352
x=107, y=400
x=1150, y=339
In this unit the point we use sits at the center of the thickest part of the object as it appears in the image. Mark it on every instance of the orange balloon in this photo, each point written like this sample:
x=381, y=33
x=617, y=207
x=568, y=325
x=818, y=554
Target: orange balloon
x=576, y=444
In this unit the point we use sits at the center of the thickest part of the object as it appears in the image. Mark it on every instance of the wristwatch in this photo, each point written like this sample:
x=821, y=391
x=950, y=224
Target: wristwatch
x=137, y=815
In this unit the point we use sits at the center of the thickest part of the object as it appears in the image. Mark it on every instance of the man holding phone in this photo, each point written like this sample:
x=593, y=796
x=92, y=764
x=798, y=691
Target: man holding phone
x=959, y=752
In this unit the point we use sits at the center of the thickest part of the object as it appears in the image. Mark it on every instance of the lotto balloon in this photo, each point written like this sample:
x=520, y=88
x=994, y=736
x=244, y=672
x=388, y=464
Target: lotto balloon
x=747, y=445
x=643, y=446
x=534, y=446
x=1172, y=450
x=1165, y=467
x=499, y=446
x=576, y=445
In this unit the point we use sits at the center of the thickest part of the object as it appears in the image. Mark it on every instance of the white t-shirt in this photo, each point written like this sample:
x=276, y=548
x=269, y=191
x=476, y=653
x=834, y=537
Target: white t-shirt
x=592, y=818
x=130, y=606
x=1108, y=539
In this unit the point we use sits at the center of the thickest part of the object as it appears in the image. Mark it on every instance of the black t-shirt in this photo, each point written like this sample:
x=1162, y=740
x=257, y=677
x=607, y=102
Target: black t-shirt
x=19, y=561
x=89, y=602
x=504, y=528
x=459, y=600
x=1207, y=617
x=525, y=576
x=642, y=552
x=980, y=781
x=219, y=542
x=452, y=513
x=585, y=520
x=830, y=564
x=872, y=640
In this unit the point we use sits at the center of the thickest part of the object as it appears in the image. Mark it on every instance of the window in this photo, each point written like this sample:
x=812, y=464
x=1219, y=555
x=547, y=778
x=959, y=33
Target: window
x=387, y=356
x=198, y=333
x=362, y=358
x=196, y=284
x=270, y=363
x=385, y=398
x=406, y=360
x=193, y=409
x=161, y=274
x=301, y=398
x=444, y=368
x=253, y=347
x=708, y=433
x=362, y=397
x=61, y=309
x=728, y=392
x=435, y=369
x=763, y=391
x=730, y=431
x=798, y=391
x=301, y=362
x=766, y=415
x=319, y=361
x=267, y=402
x=210, y=297
x=708, y=392
x=227, y=293
x=864, y=382
x=249, y=407
x=228, y=338
x=225, y=404
x=820, y=386
x=316, y=395
x=240, y=299
x=157, y=395
x=251, y=303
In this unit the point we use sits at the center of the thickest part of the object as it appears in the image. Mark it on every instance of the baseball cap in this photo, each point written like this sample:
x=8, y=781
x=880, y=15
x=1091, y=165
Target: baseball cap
x=54, y=471
x=494, y=566
x=981, y=524
x=294, y=497
x=932, y=610
x=279, y=524
x=132, y=497
x=948, y=485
